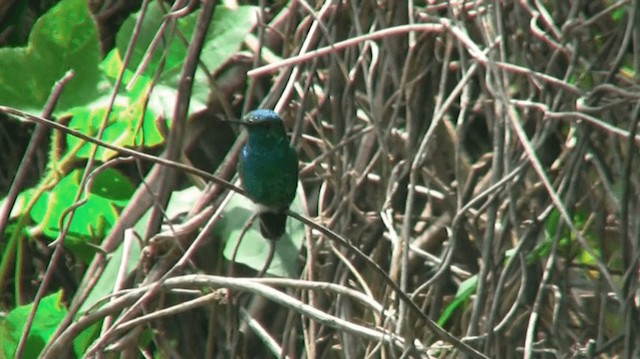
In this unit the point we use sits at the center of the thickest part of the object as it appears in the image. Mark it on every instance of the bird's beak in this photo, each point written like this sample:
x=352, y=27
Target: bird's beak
x=221, y=118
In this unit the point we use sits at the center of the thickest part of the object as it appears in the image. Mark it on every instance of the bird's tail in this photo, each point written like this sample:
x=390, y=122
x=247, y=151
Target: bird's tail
x=272, y=224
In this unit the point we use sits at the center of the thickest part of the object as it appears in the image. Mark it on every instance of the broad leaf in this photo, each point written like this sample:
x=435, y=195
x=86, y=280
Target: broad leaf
x=48, y=316
x=93, y=219
x=65, y=38
x=253, y=248
x=224, y=38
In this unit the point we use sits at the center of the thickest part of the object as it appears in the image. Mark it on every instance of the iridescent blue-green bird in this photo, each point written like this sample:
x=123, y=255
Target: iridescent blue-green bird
x=269, y=170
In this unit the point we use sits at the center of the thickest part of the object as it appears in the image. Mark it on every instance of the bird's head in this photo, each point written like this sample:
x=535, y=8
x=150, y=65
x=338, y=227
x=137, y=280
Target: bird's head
x=261, y=116
x=264, y=124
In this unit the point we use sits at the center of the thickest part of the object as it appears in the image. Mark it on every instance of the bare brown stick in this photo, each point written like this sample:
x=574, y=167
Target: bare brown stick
x=399, y=30
x=179, y=121
x=41, y=131
x=27, y=159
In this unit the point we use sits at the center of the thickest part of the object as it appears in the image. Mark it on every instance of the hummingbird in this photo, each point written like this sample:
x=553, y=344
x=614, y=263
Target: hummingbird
x=269, y=170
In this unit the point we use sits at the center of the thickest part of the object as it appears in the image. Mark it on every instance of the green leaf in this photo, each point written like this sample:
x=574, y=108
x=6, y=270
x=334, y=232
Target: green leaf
x=226, y=34
x=112, y=66
x=224, y=38
x=64, y=38
x=154, y=16
x=107, y=280
x=129, y=125
x=82, y=342
x=20, y=205
x=112, y=185
x=93, y=219
x=160, y=102
x=253, y=249
x=618, y=14
x=179, y=203
x=88, y=218
x=465, y=290
x=48, y=315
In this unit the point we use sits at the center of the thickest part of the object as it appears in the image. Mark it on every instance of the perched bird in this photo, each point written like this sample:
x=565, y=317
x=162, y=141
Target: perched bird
x=269, y=170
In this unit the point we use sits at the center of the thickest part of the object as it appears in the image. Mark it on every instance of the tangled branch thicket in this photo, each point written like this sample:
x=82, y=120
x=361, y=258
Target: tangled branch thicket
x=483, y=153
x=502, y=146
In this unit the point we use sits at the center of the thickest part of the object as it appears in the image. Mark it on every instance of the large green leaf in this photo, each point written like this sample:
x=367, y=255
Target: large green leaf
x=64, y=38
x=129, y=125
x=108, y=278
x=253, y=248
x=226, y=34
x=224, y=38
x=48, y=316
x=180, y=202
x=93, y=219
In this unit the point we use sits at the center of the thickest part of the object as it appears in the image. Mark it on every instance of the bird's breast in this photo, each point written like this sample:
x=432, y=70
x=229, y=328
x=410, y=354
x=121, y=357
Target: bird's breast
x=269, y=174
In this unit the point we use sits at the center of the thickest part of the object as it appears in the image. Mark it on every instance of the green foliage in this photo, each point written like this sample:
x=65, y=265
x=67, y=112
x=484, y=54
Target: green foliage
x=617, y=15
x=50, y=312
x=47, y=317
x=65, y=38
x=128, y=126
x=180, y=202
x=253, y=249
x=108, y=279
x=567, y=244
x=465, y=290
x=223, y=40
x=90, y=218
